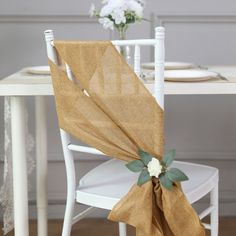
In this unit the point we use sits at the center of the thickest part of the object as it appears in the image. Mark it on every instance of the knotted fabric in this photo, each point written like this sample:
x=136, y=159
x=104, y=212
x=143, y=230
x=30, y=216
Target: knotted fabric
x=108, y=107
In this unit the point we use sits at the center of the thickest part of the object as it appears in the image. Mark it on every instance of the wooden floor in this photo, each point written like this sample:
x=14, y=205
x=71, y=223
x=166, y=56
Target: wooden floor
x=101, y=227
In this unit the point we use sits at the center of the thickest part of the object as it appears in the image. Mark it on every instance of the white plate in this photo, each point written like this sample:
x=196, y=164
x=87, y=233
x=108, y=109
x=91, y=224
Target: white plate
x=182, y=75
x=170, y=65
x=38, y=70
x=189, y=75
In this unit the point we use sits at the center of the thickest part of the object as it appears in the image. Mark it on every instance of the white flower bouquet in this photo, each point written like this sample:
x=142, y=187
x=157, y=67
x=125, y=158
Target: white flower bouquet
x=119, y=14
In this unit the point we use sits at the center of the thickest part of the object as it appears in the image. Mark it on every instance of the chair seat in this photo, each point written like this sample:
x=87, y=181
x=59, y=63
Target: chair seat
x=106, y=184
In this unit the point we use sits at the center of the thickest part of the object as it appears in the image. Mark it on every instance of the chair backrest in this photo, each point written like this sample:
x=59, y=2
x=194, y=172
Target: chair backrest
x=159, y=58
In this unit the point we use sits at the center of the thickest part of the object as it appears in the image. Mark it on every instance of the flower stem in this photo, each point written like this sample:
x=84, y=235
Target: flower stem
x=122, y=31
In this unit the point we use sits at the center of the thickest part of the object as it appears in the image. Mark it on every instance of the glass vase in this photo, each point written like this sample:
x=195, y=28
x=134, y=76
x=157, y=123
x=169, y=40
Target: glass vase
x=125, y=51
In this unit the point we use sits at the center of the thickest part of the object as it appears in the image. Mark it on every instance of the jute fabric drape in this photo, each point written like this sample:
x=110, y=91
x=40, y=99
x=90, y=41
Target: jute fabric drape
x=108, y=107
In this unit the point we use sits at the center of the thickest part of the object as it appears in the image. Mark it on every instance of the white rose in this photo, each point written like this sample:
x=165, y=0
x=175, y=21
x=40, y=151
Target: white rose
x=136, y=7
x=110, y=6
x=119, y=16
x=107, y=23
x=106, y=10
x=154, y=167
x=117, y=3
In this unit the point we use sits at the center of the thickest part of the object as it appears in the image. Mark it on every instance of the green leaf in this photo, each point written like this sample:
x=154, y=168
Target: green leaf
x=146, y=157
x=168, y=158
x=135, y=166
x=165, y=181
x=175, y=174
x=143, y=177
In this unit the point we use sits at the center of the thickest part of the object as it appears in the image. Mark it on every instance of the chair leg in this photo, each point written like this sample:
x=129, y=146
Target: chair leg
x=214, y=198
x=122, y=229
x=67, y=224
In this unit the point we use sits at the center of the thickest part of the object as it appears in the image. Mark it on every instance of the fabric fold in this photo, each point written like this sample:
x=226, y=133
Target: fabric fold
x=108, y=107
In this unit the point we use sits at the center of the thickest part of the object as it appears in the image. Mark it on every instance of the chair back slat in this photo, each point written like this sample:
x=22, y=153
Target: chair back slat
x=69, y=73
x=133, y=42
x=117, y=48
x=159, y=58
x=52, y=54
x=137, y=58
x=85, y=149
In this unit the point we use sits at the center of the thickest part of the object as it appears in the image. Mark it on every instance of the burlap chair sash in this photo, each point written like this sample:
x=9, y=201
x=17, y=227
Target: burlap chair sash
x=108, y=107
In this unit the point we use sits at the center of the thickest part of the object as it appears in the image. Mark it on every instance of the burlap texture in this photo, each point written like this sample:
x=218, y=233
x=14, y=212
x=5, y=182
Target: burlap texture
x=108, y=107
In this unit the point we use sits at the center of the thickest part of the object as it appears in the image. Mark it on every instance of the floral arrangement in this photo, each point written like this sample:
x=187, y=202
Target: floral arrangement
x=151, y=167
x=119, y=14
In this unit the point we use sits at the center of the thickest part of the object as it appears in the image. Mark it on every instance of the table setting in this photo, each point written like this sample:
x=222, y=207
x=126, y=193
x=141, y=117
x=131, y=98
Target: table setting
x=181, y=72
x=174, y=72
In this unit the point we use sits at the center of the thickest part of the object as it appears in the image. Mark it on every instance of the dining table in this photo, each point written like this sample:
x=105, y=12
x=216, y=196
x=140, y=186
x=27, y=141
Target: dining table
x=21, y=85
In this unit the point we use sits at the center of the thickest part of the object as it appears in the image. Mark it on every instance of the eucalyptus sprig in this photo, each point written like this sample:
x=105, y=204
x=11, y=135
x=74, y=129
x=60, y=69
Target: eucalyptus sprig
x=150, y=167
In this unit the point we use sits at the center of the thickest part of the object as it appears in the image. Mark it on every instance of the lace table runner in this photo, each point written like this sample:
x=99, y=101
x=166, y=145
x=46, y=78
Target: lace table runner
x=6, y=190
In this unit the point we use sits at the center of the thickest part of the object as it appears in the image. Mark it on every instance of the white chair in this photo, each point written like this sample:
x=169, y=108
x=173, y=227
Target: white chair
x=95, y=192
